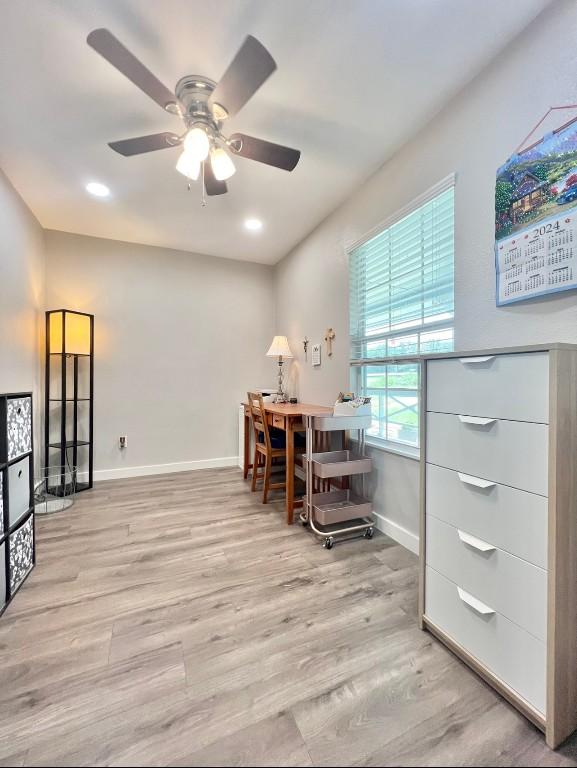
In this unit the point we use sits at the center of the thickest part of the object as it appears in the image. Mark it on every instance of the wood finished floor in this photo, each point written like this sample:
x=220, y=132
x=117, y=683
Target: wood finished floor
x=174, y=620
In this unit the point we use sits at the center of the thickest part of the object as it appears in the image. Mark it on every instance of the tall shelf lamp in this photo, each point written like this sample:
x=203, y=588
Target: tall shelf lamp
x=69, y=394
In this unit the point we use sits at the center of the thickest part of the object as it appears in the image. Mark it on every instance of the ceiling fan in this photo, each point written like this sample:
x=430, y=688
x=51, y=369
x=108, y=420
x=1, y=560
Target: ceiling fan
x=203, y=106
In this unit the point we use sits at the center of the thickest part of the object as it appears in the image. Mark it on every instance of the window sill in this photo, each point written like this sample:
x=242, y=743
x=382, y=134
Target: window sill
x=389, y=447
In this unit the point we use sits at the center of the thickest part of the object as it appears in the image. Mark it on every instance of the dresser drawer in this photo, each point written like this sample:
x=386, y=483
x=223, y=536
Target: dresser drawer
x=509, y=652
x=18, y=490
x=513, y=587
x=512, y=387
x=18, y=426
x=508, y=452
x=513, y=520
x=21, y=553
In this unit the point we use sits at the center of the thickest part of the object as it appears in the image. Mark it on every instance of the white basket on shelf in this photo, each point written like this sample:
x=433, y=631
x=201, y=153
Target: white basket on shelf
x=348, y=409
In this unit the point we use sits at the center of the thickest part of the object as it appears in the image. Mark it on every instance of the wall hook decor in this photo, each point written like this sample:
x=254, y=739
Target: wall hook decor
x=329, y=337
x=306, y=346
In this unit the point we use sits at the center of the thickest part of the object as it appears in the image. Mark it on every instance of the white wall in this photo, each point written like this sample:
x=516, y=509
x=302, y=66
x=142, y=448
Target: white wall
x=472, y=136
x=21, y=299
x=179, y=338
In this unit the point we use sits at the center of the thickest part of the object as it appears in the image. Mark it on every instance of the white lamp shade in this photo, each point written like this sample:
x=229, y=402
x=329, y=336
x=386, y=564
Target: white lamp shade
x=279, y=348
x=222, y=166
x=188, y=165
x=197, y=143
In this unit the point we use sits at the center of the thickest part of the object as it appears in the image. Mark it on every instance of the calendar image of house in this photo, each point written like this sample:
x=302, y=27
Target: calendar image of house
x=538, y=182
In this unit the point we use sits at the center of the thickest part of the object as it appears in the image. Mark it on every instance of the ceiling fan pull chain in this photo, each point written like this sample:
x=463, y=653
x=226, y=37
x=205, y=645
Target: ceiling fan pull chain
x=203, y=199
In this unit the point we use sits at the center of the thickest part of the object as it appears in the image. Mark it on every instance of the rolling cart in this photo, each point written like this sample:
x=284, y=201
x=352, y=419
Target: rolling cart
x=339, y=513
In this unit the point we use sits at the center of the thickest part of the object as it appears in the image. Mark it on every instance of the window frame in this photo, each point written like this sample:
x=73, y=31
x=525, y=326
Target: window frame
x=360, y=366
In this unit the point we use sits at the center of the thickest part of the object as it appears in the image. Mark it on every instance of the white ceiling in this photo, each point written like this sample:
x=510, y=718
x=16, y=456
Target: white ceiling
x=355, y=78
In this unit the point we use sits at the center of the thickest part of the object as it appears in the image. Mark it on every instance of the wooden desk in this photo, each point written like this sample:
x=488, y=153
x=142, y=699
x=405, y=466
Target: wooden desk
x=289, y=418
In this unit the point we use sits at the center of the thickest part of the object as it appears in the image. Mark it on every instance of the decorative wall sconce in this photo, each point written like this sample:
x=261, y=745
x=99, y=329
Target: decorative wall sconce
x=329, y=338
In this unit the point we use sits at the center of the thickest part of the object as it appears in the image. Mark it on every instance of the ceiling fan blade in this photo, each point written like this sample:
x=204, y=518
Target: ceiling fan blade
x=212, y=185
x=141, y=144
x=120, y=57
x=264, y=151
x=251, y=66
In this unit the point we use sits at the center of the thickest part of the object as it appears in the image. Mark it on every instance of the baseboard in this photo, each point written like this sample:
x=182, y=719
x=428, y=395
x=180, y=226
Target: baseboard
x=160, y=469
x=397, y=532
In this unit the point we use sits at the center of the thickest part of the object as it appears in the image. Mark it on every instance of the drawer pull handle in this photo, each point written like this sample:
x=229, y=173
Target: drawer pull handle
x=478, y=482
x=474, y=542
x=475, y=604
x=476, y=420
x=473, y=360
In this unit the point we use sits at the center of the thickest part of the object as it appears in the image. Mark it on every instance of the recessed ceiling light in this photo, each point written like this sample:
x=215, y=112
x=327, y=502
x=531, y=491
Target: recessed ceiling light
x=253, y=224
x=97, y=189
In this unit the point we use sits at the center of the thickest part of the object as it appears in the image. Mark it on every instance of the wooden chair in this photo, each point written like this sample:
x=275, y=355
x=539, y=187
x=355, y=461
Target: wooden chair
x=264, y=452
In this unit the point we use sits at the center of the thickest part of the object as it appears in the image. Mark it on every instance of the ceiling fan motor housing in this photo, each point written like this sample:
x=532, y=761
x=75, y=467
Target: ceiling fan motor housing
x=193, y=92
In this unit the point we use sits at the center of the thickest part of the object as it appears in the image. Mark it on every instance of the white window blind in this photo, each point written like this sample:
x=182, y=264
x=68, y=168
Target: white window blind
x=401, y=281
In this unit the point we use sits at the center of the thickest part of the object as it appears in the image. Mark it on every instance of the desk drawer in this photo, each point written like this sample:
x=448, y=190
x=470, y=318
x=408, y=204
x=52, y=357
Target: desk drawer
x=508, y=452
x=512, y=654
x=278, y=421
x=512, y=387
x=513, y=520
x=513, y=587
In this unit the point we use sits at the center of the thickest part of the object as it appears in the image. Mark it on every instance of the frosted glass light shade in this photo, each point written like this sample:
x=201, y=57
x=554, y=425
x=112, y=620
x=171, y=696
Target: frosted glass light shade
x=197, y=144
x=279, y=348
x=222, y=166
x=76, y=339
x=188, y=165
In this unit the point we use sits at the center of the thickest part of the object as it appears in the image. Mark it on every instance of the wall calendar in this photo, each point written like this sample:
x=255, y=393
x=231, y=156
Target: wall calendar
x=536, y=219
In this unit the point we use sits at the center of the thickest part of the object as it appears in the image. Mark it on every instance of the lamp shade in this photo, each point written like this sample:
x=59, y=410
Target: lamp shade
x=69, y=332
x=279, y=348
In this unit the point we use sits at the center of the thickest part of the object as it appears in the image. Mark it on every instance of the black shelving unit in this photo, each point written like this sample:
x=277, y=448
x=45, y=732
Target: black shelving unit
x=69, y=393
x=17, y=520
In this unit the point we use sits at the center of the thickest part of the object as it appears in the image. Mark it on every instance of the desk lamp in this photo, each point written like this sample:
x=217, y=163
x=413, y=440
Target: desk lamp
x=280, y=348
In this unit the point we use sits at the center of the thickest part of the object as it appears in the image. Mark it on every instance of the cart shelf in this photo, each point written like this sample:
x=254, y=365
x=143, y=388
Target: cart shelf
x=340, y=464
x=339, y=506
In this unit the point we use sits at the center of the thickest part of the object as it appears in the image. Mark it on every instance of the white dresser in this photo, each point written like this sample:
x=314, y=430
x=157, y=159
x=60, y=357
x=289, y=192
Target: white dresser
x=499, y=522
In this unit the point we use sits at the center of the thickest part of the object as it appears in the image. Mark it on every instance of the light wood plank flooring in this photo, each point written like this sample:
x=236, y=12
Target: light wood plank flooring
x=175, y=620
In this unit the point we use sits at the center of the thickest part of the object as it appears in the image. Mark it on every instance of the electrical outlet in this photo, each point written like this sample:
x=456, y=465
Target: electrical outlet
x=122, y=441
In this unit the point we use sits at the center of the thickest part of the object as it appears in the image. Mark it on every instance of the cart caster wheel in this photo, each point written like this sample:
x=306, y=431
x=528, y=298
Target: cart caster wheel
x=304, y=523
x=328, y=542
x=369, y=533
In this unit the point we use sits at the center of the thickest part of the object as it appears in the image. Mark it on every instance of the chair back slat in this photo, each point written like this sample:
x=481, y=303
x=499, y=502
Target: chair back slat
x=258, y=418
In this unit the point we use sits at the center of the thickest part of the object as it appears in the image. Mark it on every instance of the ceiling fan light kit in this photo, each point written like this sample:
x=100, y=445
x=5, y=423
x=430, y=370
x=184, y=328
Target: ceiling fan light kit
x=222, y=166
x=188, y=165
x=203, y=106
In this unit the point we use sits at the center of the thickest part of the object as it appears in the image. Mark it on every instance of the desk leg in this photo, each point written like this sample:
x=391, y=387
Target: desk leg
x=290, y=471
x=247, y=464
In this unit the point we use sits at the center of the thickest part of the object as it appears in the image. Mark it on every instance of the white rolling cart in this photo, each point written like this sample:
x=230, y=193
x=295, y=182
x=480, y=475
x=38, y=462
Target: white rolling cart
x=339, y=513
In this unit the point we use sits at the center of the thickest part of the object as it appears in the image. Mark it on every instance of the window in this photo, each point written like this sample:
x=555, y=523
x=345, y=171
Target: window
x=401, y=304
